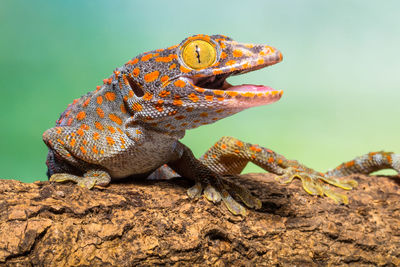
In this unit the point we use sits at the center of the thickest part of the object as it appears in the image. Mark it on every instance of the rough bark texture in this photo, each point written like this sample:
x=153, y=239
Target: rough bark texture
x=150, y=223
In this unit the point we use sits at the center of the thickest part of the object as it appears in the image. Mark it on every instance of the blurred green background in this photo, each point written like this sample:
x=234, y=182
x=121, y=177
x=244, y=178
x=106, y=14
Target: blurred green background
x=340, y=74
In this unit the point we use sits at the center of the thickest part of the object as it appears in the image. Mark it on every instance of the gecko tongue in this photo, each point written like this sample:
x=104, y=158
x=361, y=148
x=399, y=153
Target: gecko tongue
x=251, y=87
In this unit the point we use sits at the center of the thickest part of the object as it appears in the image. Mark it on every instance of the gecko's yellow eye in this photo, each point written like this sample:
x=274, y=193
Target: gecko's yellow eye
x=199, y=54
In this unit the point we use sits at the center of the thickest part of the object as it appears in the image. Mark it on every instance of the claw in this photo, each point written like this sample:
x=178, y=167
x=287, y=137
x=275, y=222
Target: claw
x=233, y=206
x=345, y=184
x=212, y=194
x=195, y=191
x=245, y=195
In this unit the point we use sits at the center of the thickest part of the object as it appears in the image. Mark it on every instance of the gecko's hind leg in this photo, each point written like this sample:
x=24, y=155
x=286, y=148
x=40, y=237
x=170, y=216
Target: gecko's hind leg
x=230, y=155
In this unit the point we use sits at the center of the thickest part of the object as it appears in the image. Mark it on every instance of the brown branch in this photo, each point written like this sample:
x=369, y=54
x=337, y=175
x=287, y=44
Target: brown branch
x=151, y=223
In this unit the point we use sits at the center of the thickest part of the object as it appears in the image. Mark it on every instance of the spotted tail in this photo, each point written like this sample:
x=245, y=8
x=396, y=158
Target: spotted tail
x=367, y=164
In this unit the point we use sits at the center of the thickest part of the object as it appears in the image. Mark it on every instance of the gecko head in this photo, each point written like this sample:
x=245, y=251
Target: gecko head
x=187, y=82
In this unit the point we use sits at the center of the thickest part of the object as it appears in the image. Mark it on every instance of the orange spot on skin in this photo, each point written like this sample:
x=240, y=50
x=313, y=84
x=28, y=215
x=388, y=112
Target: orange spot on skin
x=349, y=164
x=115, y=119
x=216, y=72
x=94, y=149
x=164, y=78
x=99, y=100
x=248, y=94
x=239, y=143
x=180, y=117
x=138, y=131
x=230, y=62
x=146, y=57
x=122, y=108
x=100, y=112
x=159, y=105
x=184, y=70
x=130, y=94
x=205, y=156
x=209, y=97
x=167, y=58
x=98, y=125
x=280, y=161
x=389, y=158
x=98, y=88
x=173, y=66
x=172, y=47
x=60, y=141
x=219, y=110
x=96, y=136
x=237, y=53
x=220, y=98
x=116, y=73
x=172, y=113
x=147, y=96
x=200, y=90
x=136, y=72
x=246, y=65
x=82, y=149
x=177, y=102
x=80, y=132
x=58, y=130
x=237, y=151
x=133, y=61
x=223, y=146
x=223, y=55
x=260, y=61
x=203, y=114
x=271, y=160
x=119, y=130
x=137, y=107
x=111, y=129
x=218, y=92
x=72, y=142
x=179, y=83
x=193, y=97
x=81, y=115
x=110, y=96
x=84, y=126
x=110, y=140
x=87, y=101
x=152, y=76
x=232, y=93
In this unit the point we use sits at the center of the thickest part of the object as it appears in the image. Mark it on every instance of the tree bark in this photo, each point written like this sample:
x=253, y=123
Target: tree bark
x=155, y=223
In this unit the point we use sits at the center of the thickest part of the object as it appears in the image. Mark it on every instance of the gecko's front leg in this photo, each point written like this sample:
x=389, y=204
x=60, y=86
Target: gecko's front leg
x=213, y=185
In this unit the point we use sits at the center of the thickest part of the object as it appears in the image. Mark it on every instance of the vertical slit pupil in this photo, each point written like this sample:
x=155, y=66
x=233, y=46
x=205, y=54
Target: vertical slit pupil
x=136, y=88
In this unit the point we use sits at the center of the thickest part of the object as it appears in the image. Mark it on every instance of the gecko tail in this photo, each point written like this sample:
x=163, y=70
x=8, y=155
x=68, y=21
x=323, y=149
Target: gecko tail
x=368, y=163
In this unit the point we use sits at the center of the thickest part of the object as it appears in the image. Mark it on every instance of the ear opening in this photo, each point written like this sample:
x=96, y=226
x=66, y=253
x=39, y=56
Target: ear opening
x=136, y=87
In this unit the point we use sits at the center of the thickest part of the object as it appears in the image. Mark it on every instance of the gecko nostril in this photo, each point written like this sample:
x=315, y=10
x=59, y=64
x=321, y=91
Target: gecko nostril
x=136, y=87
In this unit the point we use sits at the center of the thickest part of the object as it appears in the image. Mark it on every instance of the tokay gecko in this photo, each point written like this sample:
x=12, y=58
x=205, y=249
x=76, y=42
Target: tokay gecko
x=131, y=125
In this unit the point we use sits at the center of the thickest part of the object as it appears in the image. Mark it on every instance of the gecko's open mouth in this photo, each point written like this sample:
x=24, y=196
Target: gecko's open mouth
x=218, y=82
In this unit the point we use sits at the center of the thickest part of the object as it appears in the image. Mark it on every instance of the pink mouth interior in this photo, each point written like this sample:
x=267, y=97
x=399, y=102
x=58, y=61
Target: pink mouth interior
x=251, y=87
